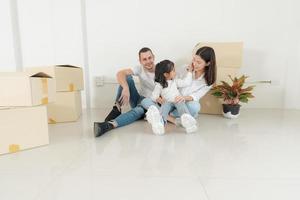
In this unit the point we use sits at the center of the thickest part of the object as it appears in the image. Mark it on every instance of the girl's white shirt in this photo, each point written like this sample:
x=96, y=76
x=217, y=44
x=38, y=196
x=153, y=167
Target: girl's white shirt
x=171, y=91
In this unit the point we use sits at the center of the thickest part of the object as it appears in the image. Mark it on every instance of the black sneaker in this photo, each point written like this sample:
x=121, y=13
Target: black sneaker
x=114, y=113
x=102, y=127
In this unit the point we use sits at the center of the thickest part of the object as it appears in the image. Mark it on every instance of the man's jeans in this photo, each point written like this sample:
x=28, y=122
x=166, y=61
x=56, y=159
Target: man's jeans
x=137, y=111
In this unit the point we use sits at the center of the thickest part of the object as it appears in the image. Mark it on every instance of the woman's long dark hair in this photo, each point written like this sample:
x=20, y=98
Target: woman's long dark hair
x=208, y=55
x=165, y=66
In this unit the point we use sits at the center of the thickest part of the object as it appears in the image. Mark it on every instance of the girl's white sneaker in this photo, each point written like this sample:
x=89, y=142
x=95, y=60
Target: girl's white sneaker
x=189, y=123
x=154, y=118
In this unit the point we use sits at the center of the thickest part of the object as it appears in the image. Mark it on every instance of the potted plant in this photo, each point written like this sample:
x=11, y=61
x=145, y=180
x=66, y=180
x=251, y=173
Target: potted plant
x=232, y=95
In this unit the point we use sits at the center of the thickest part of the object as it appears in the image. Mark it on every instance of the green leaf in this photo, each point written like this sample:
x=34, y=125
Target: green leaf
x=244, y=100
x=217, y=94
x=231, y=94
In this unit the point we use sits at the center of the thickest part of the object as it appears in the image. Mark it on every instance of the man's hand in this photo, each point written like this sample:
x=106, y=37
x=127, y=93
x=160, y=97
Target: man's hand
x=160, y=100
x=179, y=99
x=124, y=98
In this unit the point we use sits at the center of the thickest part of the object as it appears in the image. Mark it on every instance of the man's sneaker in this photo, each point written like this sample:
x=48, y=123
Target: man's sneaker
x=114, y=113
x=154, y=118
x=189, y=123
x=102, y=127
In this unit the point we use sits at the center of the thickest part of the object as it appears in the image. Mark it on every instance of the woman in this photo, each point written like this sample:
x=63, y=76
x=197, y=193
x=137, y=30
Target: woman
x=204, y=76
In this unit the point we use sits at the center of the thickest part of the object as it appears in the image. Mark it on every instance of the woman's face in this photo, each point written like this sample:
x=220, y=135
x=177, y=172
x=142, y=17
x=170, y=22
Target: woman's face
x=198, y=63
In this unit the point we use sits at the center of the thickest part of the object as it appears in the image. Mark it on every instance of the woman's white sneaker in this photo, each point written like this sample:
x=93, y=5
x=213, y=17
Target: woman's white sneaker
x=154, y=118
x=189, y=123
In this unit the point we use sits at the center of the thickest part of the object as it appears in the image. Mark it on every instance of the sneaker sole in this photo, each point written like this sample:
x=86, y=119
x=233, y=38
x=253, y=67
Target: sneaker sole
x=150, y=114
x=189, y=123
x=154, y=118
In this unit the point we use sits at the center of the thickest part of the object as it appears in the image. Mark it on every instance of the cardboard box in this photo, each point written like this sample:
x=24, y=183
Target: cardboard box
x=229, y=58
x=67, y=77
x=22, y=128
x=22, y=89
x=66, y=108
x=211, y=104
x=228, y=54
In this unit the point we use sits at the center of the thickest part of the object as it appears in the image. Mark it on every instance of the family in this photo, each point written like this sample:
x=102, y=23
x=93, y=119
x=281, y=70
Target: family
x=163, y=96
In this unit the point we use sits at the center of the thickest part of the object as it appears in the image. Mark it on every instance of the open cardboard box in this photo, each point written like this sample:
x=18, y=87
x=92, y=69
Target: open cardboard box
x=67, y=77
x=22, y=89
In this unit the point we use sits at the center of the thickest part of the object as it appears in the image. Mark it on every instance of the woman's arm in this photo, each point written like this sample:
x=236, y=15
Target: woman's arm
x=197, y=95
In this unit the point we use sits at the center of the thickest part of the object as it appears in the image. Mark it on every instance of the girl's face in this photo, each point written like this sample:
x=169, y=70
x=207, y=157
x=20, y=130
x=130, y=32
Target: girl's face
x=198, y=63
x=171, y=75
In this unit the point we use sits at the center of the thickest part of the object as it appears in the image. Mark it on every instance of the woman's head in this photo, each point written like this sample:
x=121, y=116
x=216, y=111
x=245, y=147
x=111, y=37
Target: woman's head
x=205, y=59
x=164, y=71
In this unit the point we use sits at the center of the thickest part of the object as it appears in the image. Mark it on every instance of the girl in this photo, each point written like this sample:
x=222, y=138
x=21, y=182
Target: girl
x=166, y=87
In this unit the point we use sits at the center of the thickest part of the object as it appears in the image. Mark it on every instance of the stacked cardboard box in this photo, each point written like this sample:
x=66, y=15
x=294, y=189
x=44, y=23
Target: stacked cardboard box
x=23, y=114
x=229, y=57
x=69, y=83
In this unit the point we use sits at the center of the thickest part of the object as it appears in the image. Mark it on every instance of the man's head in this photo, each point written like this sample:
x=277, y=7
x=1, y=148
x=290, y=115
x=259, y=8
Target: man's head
x=146, y=58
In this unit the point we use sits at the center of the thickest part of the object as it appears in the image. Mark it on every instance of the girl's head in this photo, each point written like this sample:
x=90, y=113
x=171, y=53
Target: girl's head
x=205, y=59
x=164, y=71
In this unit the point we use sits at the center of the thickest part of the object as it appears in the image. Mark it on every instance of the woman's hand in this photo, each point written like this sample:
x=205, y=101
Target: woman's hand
x=179, y=99
x=160, y=100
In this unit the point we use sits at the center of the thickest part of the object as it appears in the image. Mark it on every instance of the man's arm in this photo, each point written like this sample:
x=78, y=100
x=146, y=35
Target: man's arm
x=121, y=78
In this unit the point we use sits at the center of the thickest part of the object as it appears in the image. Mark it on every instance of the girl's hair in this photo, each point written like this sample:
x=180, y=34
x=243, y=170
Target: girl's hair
x=165, y=66
x=208, y=55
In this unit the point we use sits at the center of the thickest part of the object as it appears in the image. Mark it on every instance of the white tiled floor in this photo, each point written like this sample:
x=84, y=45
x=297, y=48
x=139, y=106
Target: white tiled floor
x=255, y=157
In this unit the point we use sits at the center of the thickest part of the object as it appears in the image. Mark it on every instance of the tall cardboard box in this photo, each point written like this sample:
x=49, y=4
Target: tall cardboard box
x=229, y=58
x=22, y=89
x=66, y=108
x=68, y=78
x=23, y=128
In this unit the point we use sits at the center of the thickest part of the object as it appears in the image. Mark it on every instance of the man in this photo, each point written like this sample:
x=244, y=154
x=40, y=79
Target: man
x=127, y=93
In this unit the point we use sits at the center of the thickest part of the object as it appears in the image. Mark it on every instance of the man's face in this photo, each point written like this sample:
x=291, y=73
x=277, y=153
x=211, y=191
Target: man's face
x=147, y=60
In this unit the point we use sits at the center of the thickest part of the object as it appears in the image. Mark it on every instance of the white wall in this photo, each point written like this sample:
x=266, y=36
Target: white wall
x=7, y=59
x=51, y=33
x=292, y=78
x=117, y=30
x=36, y=32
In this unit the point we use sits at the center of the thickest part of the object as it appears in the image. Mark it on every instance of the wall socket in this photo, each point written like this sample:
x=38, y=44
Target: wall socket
x=99, y=81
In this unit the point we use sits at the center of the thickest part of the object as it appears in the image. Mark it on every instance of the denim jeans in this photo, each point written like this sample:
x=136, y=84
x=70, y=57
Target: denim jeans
x=137, y=111
x=167, y=107
x=193, y=107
